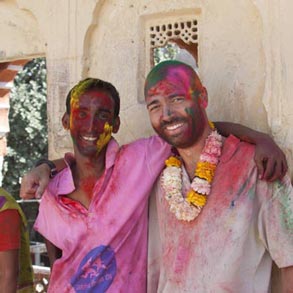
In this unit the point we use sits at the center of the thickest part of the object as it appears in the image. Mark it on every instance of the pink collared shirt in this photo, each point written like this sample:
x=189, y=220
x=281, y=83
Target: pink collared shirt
x=104, y=248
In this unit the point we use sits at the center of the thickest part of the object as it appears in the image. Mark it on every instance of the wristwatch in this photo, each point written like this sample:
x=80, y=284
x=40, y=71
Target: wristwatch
x=52, y=166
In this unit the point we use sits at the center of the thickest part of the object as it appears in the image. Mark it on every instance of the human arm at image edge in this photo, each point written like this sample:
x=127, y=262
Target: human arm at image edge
x=9, y=257
x=269, y=158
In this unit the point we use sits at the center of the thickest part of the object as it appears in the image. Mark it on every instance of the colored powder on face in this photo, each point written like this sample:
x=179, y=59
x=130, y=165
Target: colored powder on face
x=76, y=92
x=172, y=79
x=189, y=111
x=182, y=78
x=104, y=137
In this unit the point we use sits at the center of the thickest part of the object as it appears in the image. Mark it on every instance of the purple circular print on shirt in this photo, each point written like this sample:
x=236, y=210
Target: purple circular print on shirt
x=96, y=271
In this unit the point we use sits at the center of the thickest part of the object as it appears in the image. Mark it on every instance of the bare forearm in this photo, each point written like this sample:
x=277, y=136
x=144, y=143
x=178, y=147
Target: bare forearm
x=269, y=158
x=8, y=271
x=34, y=183
x=8, y=283
x=242, y=132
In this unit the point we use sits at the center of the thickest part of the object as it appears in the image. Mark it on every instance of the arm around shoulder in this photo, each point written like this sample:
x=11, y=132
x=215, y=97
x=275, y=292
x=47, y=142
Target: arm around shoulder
x=269, y=158
x=34, y=183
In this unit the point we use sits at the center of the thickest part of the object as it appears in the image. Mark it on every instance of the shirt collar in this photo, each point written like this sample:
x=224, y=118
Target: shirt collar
x=63, y=182
x=229, y=148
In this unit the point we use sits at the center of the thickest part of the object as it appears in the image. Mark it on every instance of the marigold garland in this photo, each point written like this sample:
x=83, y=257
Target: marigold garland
x=188, y=208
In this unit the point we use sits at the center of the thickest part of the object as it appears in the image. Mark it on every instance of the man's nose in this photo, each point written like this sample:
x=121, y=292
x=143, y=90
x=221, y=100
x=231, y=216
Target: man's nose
x=92, y=124
x=167, y=112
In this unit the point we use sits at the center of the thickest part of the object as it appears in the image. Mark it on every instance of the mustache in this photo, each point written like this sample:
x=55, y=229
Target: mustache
x=164, y=124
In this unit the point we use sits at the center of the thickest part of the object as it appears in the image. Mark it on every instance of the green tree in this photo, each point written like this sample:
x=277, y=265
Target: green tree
x=167, y=52
x=27, y=140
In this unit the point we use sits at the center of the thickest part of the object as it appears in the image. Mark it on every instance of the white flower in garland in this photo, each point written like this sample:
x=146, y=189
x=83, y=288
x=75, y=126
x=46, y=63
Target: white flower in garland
x=189, y=207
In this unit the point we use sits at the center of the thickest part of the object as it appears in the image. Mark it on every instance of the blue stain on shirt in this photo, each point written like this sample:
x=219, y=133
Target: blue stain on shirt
x=96, y=271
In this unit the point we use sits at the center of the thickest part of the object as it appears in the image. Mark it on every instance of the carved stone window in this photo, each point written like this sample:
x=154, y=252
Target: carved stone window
x=174, y=40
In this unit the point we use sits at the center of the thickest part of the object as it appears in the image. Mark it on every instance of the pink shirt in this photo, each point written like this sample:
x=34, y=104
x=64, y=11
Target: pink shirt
x=230, y=246
x=104, y=248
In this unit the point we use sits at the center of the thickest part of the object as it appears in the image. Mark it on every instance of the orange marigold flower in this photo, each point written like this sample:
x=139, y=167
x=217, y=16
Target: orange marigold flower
x=196, y=199
x=212, y=125
x=173, y=162
x=205, y=170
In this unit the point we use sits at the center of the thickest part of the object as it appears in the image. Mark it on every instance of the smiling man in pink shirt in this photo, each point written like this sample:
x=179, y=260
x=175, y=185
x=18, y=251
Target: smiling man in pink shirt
x=84, y=214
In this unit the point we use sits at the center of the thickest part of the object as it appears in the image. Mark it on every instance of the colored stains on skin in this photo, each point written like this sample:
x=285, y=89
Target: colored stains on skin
x=87, y=185
x=179, y=78
x=104, y=137
x=172, y=82
x=90, y=121
x=190, y=112
x=75, y=94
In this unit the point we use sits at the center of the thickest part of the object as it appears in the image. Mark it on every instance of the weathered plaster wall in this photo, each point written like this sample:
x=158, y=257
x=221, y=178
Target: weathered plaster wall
x=20, y=34
x=245, y=56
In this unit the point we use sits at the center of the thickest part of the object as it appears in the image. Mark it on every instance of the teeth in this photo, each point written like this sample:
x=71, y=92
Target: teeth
x=89, y=138
x=175, y=126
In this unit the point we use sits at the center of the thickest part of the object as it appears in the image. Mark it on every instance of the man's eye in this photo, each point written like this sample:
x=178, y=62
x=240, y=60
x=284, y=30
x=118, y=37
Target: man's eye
x=103, y=115
x=154, y=108
x=177, y=99
x=81, y=114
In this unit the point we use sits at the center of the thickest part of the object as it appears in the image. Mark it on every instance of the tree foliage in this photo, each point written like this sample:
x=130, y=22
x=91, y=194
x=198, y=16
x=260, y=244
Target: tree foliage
x=27, y=140
x=167, y=52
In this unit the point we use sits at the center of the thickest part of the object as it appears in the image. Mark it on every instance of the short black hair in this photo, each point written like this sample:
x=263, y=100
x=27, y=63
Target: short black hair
x=94, y=84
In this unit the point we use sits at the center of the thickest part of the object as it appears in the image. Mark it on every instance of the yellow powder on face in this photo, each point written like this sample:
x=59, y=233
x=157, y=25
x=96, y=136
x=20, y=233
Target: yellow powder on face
x=104, y=137
x=76, y=92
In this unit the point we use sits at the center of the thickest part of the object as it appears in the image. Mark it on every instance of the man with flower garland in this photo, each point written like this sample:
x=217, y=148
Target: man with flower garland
x=220, y=226
x=78, y=212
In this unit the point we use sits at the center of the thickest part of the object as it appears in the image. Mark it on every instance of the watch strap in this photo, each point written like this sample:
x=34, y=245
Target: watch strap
x=52, y=166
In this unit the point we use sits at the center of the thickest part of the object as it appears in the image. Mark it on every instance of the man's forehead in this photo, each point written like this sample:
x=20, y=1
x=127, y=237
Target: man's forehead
x=166, y=88
x=93, y=97
x=171, y=74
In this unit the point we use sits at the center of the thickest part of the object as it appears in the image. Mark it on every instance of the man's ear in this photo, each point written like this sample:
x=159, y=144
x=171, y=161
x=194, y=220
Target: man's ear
x=203, y=98
x=116, y=124
x=66, y=121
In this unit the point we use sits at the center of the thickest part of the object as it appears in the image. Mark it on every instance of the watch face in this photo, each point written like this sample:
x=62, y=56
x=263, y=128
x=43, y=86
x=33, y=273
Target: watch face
x=53, y=173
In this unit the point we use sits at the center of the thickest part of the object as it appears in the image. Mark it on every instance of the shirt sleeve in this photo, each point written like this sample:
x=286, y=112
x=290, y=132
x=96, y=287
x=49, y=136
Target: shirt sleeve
x=157, y=152
x=275, y=221
x=10, y=230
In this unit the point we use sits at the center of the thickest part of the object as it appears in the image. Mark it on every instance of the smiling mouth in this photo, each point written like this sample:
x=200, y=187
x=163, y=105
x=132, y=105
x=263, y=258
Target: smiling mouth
x=174, y=126
x=89, y=138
